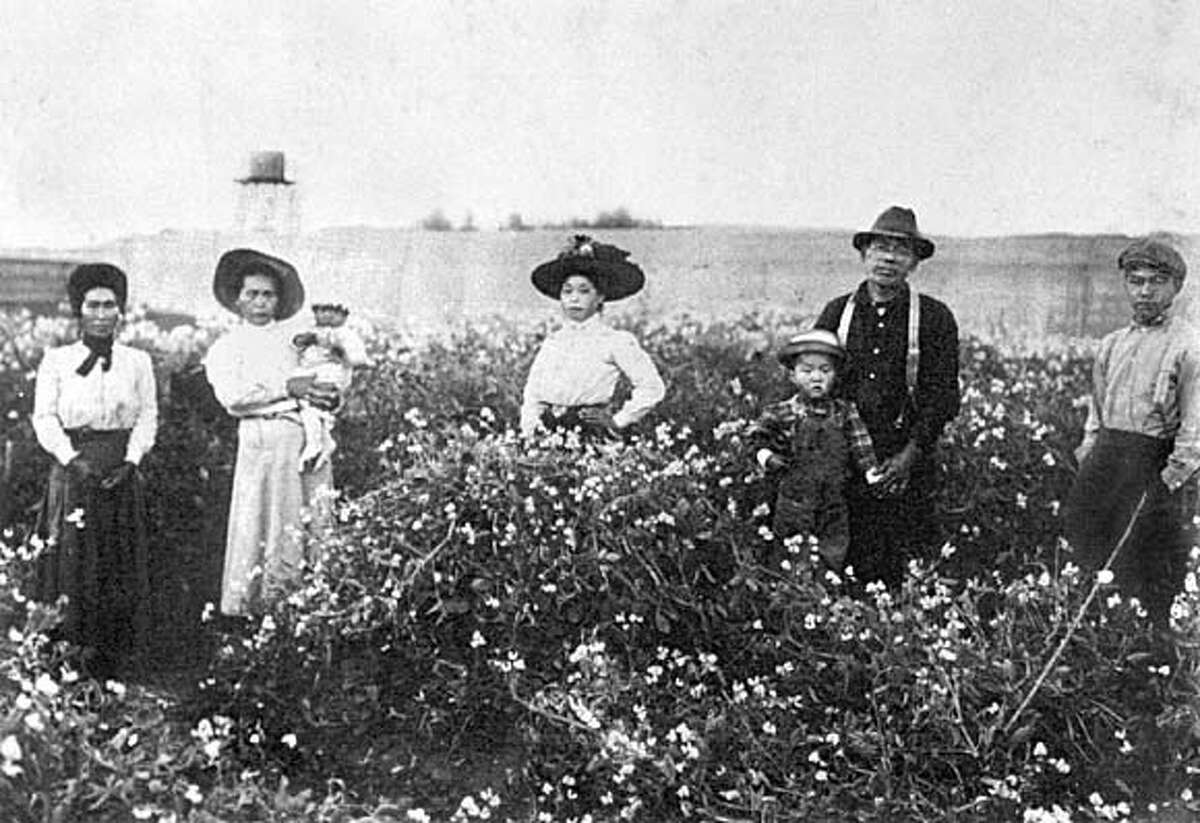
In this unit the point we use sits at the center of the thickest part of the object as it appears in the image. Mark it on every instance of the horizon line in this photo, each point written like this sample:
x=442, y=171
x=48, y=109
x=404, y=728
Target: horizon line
x=663, y=227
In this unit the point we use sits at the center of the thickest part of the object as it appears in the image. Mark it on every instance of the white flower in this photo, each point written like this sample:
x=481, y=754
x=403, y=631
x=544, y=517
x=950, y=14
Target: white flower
x=45, y=685
x=193, y=794
x=76, y=517
x=116, y=688
x=1104, y=577
x=10, y=749
x=288, y=740
x=1040, y=749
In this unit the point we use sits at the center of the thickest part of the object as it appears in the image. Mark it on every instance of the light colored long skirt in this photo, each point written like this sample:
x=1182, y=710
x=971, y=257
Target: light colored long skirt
x=273, y=504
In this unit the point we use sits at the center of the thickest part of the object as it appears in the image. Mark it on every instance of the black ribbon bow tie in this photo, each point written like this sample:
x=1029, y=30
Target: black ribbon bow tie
x=99, y=348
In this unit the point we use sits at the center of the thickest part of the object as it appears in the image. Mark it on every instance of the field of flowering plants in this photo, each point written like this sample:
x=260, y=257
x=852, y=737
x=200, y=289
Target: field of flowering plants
x=506, y=631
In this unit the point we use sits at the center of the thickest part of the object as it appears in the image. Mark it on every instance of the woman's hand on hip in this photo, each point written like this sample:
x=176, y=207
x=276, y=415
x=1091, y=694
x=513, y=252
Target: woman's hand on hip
x=117, y=476
x=321, y=395
x=81, y=468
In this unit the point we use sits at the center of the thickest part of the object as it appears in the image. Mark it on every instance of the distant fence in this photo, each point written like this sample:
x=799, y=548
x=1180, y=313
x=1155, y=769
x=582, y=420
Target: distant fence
x=37, y=284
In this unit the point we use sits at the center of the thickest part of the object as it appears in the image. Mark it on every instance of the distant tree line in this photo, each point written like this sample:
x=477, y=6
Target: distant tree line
x=619, y=218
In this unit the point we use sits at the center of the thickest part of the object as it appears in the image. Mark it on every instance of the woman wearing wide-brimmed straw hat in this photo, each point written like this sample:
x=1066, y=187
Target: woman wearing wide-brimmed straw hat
x=575, y=372
x=252, y=370
x=95, y=411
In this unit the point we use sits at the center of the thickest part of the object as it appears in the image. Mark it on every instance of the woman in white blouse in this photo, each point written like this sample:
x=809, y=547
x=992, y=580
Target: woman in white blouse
x=575, y=372
x=252, y=371
x=95, y=411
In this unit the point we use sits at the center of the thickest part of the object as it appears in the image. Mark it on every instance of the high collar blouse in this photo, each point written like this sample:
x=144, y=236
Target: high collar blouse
x=124, y=397
x=249, y=368
x=579, y=365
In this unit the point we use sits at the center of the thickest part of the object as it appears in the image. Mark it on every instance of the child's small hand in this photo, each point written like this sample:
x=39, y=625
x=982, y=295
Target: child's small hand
x=769, y=460
x=874, y=484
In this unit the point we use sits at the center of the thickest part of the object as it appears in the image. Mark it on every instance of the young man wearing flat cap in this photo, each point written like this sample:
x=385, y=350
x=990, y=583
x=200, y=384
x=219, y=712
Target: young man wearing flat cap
x=902, y=374
x=1142, y=437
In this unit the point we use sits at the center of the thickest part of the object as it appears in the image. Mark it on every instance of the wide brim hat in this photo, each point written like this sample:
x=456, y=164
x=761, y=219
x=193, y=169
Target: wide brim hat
x=88, y=276
x=900, y=223
x=814, y=341
x=605, y=265
x=235, y=264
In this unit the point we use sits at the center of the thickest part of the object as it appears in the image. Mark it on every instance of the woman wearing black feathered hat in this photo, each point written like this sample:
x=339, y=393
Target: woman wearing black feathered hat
x=575, y=372
x=95, y=411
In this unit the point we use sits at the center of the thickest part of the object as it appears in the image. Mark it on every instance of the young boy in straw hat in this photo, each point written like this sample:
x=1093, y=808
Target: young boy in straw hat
x=575, y=373
x=810, y=442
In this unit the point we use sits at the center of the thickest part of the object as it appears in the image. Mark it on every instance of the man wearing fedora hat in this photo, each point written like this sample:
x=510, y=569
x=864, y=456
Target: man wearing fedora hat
x=902, y=374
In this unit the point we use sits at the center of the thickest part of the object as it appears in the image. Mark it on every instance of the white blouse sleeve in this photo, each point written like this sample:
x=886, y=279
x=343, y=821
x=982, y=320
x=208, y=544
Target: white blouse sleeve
x=46, y=424
x=240, y=392
x=648, y=386
x=533, y=404
x=141, y=438
x=353, y=347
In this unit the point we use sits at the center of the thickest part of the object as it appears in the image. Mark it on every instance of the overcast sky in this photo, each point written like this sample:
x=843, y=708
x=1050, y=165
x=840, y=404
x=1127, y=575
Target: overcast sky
x=988, y=117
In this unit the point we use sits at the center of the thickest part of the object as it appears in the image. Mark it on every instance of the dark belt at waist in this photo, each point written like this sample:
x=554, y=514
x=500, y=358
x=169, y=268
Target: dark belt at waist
x=85, y=435
x=292, y=416
x=1135, y=442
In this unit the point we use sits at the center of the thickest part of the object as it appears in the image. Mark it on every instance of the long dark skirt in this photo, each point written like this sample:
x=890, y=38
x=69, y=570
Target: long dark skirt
x=96, y=554
x=1121, y=467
